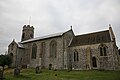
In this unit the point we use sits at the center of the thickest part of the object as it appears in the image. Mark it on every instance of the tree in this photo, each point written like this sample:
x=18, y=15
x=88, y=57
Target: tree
x=4, y=60
x=9, y=60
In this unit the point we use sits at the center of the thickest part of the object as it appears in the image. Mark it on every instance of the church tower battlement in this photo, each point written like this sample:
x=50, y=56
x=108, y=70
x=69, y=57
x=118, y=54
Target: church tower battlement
x=27, y=32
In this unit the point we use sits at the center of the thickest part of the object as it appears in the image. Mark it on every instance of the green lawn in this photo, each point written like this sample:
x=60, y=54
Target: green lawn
x=29, y=74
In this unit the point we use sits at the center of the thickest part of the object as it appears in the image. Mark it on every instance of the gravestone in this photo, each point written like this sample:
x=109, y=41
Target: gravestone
x=16, y=71
x=38, y=69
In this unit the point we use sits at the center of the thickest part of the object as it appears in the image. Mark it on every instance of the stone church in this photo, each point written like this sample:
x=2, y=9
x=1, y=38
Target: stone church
x=66, y=50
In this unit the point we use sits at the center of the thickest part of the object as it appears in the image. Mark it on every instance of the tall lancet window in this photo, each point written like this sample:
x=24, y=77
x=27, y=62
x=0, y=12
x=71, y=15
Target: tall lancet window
x=53, y=49
x=76, y=56
x=34, y=51
x=103, y=50
x=42, y=52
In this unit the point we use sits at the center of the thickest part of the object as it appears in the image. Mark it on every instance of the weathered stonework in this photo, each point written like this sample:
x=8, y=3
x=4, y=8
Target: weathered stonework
x=80, y=52
x=103, y=62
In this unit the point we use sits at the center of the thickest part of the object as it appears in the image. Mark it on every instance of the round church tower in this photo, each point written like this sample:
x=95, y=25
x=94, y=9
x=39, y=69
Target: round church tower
x=27, y=32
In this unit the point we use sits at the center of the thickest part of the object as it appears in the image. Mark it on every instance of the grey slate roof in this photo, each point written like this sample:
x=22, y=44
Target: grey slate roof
x=44, y=37
x=91, y=38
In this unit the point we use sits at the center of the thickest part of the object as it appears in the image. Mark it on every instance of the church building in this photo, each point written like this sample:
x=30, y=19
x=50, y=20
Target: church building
x=66, y=50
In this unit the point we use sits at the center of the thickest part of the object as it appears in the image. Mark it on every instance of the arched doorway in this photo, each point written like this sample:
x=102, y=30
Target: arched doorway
x=50, y=66
x=94, y=62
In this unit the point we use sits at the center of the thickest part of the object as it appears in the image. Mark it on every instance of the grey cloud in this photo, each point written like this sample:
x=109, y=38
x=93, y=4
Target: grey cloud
x=50, y=16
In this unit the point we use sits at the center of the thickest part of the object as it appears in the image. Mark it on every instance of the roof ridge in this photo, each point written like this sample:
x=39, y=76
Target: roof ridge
x=46, y=36
x=92, y=33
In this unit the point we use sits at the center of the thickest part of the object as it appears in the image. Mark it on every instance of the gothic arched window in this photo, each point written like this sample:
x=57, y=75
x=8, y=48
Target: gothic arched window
x=94, y=62
x=76, y=57
x=34, y=51
x=103, y=50
x=42, y=52
x=53, y=49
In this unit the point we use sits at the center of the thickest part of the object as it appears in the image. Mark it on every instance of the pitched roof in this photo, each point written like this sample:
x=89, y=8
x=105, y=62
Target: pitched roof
x=44, y=37
x=20, y=45
x=91, y=38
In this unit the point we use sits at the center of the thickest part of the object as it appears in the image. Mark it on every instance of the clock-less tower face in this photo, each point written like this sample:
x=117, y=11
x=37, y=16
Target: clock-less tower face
x=27, y=32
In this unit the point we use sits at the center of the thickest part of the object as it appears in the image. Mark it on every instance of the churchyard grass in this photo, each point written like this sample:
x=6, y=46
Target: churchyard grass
x=29, y=74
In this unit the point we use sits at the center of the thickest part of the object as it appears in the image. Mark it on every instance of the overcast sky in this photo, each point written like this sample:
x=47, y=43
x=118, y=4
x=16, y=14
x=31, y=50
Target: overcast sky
x=52, y=16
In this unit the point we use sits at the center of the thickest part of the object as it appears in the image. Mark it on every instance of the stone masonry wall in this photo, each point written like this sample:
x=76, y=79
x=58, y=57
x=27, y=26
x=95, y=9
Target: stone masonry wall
x=56, y=62
x=94, y=52
x=13, y=51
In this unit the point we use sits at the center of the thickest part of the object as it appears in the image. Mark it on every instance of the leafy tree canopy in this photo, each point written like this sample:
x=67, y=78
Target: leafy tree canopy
x=5, y=60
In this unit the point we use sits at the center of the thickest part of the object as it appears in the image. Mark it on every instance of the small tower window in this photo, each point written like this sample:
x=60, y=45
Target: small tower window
x=31, y=35
x=11, y=54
